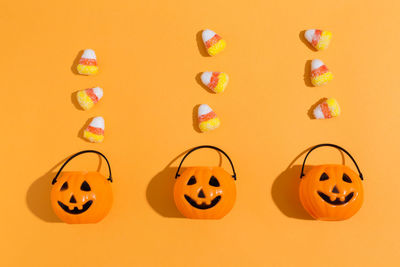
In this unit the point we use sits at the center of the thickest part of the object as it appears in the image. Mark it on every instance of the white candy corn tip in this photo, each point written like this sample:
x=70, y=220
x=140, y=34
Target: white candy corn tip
x=97, y=122
x=309, y=34
x=204, y=109
x=207, y=35
x=316, y=63
x=318, y=113
x=98, y=92
x=206, y=77
x=89, y=54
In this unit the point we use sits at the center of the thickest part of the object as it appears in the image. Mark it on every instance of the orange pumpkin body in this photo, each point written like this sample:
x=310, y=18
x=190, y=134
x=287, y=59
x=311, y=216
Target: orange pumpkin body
x=331, y=192
x=204, y=192
x=81, y=197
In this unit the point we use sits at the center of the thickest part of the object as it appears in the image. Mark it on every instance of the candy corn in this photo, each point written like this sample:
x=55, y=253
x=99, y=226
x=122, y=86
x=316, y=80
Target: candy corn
x=208, y=120
x=95, y=131
x=213, y=42
x=320, y=74
x=88, y=63
x=329, y=108
x=88, y=97
x=319, y=39
x=216, y=81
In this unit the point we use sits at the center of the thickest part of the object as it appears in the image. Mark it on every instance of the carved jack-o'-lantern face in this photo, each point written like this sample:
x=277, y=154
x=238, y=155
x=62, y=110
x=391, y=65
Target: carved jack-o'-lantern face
x=205, y=192
x=81, y=197
x=331, y=192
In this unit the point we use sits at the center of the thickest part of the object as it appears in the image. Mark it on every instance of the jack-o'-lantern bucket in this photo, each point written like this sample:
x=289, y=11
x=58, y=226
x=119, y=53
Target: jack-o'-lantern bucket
x=205, y=192
x=331, y=192
x=81, y=196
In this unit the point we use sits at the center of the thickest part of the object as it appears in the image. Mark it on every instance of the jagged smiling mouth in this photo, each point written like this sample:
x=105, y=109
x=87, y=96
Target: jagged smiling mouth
x=202, y=206
x=337, y=201
x=75, y=211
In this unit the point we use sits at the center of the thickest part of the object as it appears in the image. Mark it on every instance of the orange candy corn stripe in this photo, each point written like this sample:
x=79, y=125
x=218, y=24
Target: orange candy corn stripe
x=92, y=95
x=325, y=110
x=214, y=80
x=208, y=116
x=213, y=41
x=88, y=62
x=316, y=37
x=321, y=70
x=95, y=130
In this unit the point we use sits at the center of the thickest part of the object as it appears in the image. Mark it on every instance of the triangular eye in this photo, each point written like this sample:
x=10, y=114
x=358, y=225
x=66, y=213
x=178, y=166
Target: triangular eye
x=192, y=181
x=85, y=186
x=324, y=177
x=64, y=186
x=213, y=181
x=346, y=178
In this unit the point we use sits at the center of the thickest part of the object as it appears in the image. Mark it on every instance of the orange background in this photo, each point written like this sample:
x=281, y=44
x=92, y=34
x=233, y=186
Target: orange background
x=150, y=57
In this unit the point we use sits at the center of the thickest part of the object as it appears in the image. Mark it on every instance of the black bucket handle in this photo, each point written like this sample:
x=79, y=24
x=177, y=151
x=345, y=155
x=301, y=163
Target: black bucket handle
x=212, y=147
x=77, y=154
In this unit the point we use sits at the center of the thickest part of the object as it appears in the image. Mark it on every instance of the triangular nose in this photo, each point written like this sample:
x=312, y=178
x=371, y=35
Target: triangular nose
x=72, y=199
x=335, y=190
x=201, y=194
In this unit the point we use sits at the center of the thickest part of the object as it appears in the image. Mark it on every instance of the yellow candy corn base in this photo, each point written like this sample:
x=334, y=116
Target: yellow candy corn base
x=209, y=125
x=87, y=70
x=218, y=47
x=322, y=79
x=324, y=40
x=222, y=82
x=84, y=100
x=94, y=138
x=333, y=107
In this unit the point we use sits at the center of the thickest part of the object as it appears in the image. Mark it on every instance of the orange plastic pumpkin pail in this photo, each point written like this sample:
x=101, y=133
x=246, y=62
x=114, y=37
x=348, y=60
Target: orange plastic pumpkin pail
x=331, y=192
x=205, y=192
x=81, y=196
